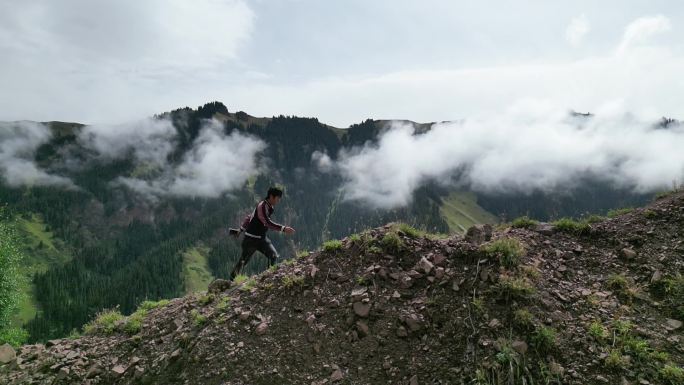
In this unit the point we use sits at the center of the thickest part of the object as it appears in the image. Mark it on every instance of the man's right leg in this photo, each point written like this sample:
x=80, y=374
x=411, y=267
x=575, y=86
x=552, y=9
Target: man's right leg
x=267, y=249
x=248, y=248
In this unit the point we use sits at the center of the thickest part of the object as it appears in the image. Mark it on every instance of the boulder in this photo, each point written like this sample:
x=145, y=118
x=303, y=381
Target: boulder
x=218, y=286
x=479, y=234
x=7, y=354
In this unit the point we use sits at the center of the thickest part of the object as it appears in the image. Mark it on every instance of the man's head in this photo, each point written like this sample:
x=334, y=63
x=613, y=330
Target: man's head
x=273, y=196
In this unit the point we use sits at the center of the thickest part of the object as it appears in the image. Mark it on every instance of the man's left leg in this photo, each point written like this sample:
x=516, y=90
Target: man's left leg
x=267, y=249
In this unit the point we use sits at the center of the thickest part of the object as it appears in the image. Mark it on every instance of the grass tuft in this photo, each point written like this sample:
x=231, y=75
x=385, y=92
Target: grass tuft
x=569, y=225
x=509, y=251
x=524, y=223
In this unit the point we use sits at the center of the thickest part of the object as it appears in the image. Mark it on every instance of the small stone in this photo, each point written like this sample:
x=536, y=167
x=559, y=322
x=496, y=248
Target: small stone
x=118, y=370
x=244, y=316
x=673, y=324
x=657, y=276
x=425, y=265
x=438, y=259
x=176, y=353
x=261, y=328
x=362, y=327
x=139, y=372
x=7, y=354
x=494, y=323
x=401, y=332
x=413, y=322
x=94, y=370
x=336, y=375
x=628, y=253
x=63, y=373
x=556, y=368
x=602, y=379
x=358, y=294
x=519, y=346
x=361, y=309
x=414, y=380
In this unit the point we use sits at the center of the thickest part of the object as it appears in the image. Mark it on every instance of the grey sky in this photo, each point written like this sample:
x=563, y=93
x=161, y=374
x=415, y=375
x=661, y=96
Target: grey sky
x=342, y=61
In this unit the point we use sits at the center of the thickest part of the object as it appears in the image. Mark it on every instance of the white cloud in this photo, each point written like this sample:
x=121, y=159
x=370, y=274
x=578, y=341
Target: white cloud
x=113, y=60
x=322, y=161
x=18, y=144
x=577, y=30
x=148, y=140
x=645, y=76
x=641, y=29
x=216, y=164
x=534, y=145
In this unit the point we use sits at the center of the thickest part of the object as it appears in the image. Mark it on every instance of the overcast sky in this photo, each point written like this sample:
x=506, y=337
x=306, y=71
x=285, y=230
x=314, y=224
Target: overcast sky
x=343, y=61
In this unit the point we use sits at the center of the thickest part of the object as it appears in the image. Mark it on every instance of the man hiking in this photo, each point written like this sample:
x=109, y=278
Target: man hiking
x=255, y=226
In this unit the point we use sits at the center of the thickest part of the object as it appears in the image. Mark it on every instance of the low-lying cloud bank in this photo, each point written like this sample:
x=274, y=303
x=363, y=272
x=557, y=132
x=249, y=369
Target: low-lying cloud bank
x=18, y=144
x=531, y=146
x=215, y=164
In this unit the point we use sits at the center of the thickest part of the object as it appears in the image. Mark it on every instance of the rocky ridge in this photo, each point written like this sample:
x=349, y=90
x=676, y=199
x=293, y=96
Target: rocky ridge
x=587, y=303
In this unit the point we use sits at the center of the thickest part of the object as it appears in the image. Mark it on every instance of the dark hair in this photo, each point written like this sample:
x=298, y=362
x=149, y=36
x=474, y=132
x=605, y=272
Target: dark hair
x=274, y=191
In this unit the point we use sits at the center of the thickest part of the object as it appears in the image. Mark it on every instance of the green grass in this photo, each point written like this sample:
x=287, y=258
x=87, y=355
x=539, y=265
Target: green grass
x=197, y=318
x=245, y=282
x=507, y=250
x=332, y=245
x=205, y=299
x=104, y=323
x=670, y=290
x=524, y=222
x=409, y=230
x=110, y=321
x=617, y=212
x=514, y=288
x=196, y=273
x=593, y=218
x=223, y=303
x=672, y=374
x=290, y=281
x=479, y=305
x=617, y=282
x=544, y=339
x=598, y=331
x=523, y=319
x=460, y=211
x=615, y=360
x=391, y=243
x=569, y=225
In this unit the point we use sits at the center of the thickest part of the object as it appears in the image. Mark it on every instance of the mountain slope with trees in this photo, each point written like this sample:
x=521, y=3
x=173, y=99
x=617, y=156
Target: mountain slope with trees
x=120, y=249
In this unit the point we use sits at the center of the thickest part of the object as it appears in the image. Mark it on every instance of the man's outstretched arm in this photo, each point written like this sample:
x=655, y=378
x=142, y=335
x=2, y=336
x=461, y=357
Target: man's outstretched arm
x=262, y=214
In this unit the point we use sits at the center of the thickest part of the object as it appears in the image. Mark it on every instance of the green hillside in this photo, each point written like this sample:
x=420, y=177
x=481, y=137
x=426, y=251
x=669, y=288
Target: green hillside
x=41, y=250
x=460, y=210
x=196, y=272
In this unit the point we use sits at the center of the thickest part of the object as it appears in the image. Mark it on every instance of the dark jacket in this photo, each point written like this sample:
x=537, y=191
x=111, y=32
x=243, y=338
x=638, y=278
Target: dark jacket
x=256, y=224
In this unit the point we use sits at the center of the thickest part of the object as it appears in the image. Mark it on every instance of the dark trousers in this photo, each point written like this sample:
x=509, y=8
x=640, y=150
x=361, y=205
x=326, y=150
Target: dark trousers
x=249, y=246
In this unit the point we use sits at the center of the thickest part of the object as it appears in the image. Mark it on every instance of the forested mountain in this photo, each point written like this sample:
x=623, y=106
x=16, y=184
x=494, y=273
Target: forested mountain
x=113, y=236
